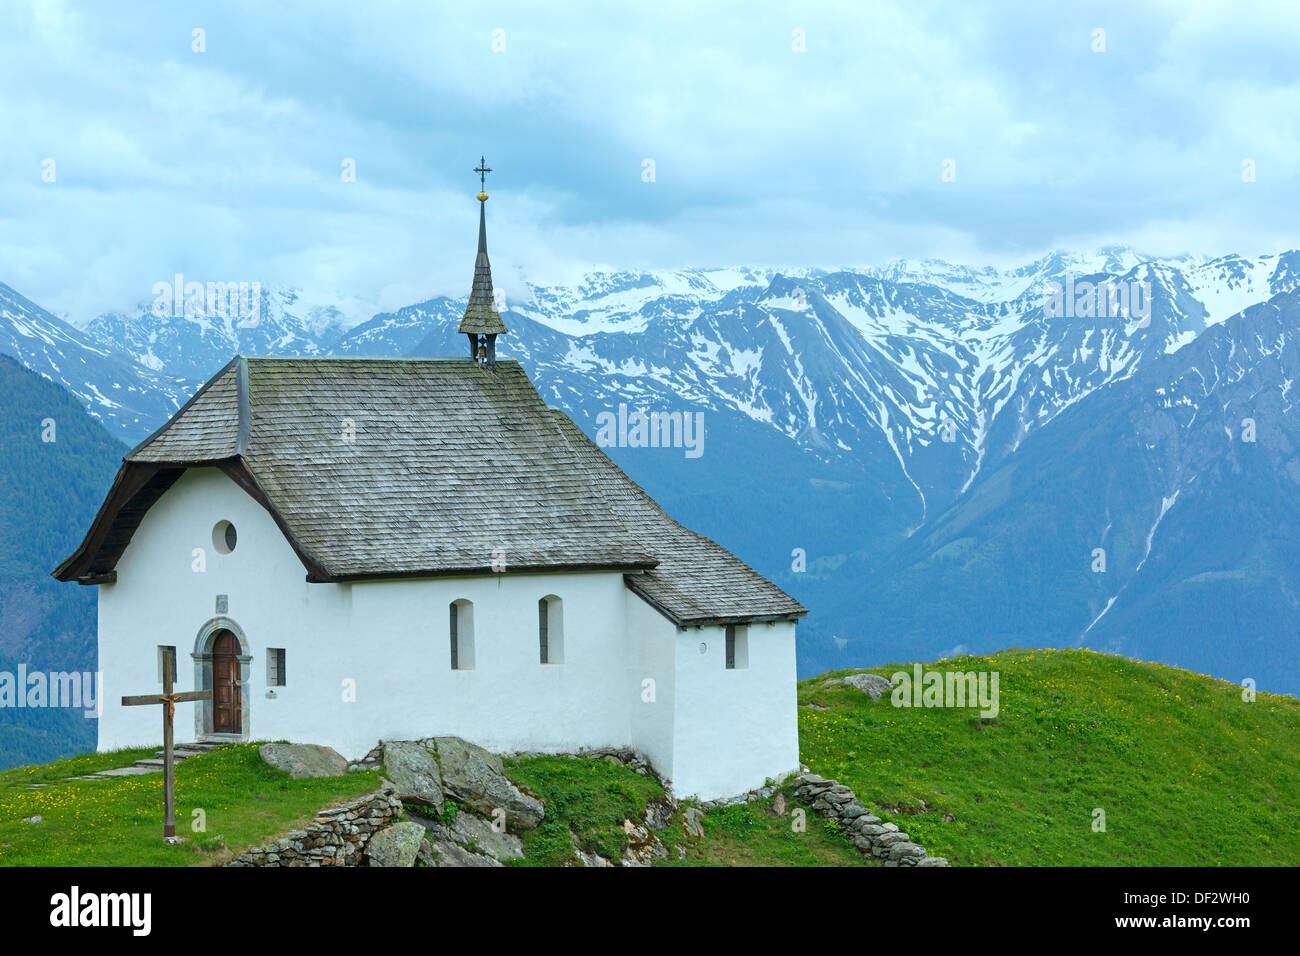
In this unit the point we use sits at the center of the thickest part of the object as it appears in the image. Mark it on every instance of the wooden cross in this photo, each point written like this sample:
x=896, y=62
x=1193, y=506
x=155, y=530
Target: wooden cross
x=169, y=700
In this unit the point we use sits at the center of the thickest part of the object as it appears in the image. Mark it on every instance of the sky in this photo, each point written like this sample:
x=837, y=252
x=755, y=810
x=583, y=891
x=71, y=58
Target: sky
x=782, y=135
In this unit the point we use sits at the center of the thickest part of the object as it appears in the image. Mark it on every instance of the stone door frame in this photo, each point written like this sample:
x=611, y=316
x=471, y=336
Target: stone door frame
x=202, y=657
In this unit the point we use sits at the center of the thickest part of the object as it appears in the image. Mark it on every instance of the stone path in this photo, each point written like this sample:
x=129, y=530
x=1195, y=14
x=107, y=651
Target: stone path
x=152, y=765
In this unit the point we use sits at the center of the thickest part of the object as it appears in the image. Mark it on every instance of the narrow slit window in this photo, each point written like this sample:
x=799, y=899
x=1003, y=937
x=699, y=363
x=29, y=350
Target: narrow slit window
x=737, y=647
x=543, y=613
x=550, y=629
x=275, y=675
x=461, y=630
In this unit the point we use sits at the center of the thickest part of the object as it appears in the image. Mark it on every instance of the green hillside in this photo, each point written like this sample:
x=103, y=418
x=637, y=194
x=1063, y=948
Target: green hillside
x=1185, y=770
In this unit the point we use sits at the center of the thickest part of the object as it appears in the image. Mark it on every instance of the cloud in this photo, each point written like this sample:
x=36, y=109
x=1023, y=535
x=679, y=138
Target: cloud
x=226, y=164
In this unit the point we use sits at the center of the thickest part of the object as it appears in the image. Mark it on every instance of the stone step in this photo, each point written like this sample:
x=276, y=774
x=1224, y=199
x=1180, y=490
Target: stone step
x=125, y=772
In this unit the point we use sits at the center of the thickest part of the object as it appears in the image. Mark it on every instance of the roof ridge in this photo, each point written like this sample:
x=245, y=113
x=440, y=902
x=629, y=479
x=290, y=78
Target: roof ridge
x=245, y=411
x=368, y=358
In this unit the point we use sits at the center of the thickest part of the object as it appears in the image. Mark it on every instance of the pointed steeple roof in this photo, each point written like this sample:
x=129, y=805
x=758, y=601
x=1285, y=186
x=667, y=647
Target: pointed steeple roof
x=481, y=315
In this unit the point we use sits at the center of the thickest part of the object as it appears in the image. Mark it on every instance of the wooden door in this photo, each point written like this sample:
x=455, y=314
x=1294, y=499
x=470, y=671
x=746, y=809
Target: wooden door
x=226, y=700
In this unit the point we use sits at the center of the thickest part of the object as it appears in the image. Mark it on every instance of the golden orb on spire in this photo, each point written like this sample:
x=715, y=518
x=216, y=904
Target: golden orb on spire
x=482, y=197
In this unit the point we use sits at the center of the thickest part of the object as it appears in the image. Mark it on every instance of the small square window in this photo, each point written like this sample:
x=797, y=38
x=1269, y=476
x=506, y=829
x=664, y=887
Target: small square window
x=275, y=667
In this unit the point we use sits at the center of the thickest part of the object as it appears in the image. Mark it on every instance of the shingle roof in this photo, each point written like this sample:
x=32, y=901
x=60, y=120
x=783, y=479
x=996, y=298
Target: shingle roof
x=401, y=467
x=481, y=315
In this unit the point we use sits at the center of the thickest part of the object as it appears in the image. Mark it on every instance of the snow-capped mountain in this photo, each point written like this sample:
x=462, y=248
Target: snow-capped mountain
x=126, y=396
x=857, y=415
x=1155, y=518
x=185, y=334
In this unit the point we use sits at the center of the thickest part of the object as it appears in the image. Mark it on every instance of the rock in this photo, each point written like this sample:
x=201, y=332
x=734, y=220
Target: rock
x=693, y=823
x=36, y=819
x=304, y=760
x=900, y=850
x=867, y=683
x=453, y=854
x=780, y=805
x=932, y=861
x=478, y=835
x=473, y=775
x=395, y=845
x=424, y=856
x=643, y=846
x=869, y=829
x=659, y=812
x=413, y=768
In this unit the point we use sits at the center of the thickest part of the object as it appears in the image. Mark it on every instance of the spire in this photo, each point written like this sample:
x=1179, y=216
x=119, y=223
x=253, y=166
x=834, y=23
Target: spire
x=482, y=322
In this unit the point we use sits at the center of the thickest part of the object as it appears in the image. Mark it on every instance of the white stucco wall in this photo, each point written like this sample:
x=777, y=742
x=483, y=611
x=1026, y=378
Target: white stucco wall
x=390, y=640
x=651, y=657
x=734, y=728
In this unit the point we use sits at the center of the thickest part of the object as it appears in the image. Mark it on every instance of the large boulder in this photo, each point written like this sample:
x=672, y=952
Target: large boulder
x=870, y=684
x=474, y=776
x=453, y=854
x=395, y=845
x=413, y=768
x=304, y=760
x=479, y=835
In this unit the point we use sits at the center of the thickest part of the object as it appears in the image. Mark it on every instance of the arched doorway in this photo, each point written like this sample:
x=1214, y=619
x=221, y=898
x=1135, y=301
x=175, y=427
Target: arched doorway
x=222, y=658
x=227, y=686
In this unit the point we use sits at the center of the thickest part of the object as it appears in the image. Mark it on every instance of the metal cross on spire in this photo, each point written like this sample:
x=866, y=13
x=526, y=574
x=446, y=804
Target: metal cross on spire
x=482, y=170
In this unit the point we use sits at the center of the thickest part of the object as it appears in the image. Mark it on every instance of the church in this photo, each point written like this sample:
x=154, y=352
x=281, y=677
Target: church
x=349, y=550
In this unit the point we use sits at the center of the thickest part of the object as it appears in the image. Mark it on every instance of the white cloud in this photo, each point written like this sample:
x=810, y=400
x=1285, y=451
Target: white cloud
x=227, y=163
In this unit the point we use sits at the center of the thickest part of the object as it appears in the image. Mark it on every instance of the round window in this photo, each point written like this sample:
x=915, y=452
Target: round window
x=224, y=537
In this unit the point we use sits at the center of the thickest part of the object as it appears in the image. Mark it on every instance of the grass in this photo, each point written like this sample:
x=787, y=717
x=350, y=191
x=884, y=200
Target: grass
x=589, y=797
x=118, y=821
x=753, y=834
x=1186, y=772
x=73, y=766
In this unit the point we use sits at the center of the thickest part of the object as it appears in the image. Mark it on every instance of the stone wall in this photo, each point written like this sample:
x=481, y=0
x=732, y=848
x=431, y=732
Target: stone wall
x=875, y=838
x=338, y=837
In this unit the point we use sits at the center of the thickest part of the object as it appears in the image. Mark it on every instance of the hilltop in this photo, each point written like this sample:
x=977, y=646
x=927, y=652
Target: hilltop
x=1186, y=771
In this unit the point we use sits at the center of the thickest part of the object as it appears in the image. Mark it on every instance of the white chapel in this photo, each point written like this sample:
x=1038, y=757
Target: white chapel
x=348, y=550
